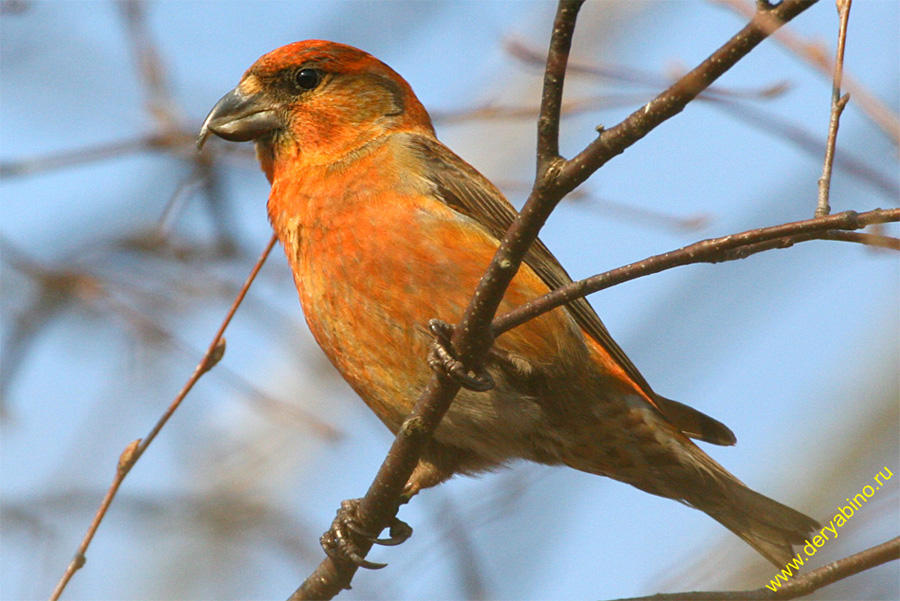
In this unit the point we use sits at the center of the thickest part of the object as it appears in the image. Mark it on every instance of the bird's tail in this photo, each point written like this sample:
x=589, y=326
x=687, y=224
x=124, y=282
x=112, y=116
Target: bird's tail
x=765, y=524
x=655, y=457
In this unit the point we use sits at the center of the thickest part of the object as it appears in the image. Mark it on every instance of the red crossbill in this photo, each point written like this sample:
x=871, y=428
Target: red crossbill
x=386, y=228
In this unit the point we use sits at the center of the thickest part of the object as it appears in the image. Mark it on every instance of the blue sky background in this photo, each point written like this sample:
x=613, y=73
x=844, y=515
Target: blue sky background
x=796, y=350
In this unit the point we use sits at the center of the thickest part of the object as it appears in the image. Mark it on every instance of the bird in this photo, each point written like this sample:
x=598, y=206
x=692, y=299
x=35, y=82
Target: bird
x=387, y=233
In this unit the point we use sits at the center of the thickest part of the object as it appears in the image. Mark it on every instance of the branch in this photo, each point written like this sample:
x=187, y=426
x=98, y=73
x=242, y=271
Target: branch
x=800, y=586
x=554, y=76
x=838, y=103
x=555, y=178
x=714, y=250
x=135, y=449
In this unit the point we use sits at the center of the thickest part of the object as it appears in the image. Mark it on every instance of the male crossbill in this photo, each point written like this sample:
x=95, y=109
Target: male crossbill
x=386, y=228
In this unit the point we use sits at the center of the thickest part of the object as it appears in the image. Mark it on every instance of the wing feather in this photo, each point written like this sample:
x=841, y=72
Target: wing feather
x=468, y=192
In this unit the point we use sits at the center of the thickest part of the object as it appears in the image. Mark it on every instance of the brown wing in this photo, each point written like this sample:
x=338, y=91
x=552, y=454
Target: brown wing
x=465, y=190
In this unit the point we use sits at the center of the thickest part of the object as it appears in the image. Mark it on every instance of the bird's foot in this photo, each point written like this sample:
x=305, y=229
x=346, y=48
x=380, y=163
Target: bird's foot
x=342, y=541
x=442, y=361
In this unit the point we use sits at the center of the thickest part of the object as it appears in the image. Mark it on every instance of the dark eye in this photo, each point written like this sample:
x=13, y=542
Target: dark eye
x=307, y=79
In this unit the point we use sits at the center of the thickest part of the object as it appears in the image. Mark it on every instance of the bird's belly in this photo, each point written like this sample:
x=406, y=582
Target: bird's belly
x=369, y=282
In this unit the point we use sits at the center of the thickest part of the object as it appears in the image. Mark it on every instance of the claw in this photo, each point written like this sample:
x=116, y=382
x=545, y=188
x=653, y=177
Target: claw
x=342, y=548
x=399, y=531
x=340, y=542
x=443, y=362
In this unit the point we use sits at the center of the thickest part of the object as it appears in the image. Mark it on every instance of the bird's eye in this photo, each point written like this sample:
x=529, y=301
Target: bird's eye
x=307, y=79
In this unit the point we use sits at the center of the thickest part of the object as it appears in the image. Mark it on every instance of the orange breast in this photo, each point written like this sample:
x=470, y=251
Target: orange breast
x=374, y=260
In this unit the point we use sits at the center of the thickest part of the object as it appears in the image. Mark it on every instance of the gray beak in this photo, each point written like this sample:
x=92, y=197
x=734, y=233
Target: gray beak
x=238, y=117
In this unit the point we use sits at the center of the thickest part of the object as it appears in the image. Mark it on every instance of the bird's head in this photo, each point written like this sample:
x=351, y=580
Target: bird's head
x=315, y=99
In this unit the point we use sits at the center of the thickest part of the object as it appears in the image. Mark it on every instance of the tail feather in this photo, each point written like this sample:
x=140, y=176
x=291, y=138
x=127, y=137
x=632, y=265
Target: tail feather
x=650, y=452
x=694, y=423
x=765, y=524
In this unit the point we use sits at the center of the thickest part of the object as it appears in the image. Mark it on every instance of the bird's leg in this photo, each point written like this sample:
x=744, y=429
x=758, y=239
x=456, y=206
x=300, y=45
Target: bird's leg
x=442, y=361
x=342, y=540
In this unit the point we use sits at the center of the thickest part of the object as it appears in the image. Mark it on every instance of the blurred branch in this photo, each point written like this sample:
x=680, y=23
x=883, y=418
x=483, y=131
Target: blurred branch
x=725, y=98
x=815, y=54
x=160, y=104
x=773, y=124
x=135, y=449
x=149, y=329
x=177, y=141
x=457, y=538
x=799, y=586
x=180, y=142
x=555, y=178
x=172, y=134
x=628, y=74
x=14, y=7
x=57, y=290
x=873, y=240
x=734, y=102
x=494, y=111
x=614, y=141
x=643, y=216
x=714, y=250
x=170, y=121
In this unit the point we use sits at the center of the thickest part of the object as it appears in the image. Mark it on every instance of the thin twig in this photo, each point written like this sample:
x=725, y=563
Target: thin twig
x=714, y=250
x=799, y=586
x=554, y=76
x=838, y=103
x=136, y=448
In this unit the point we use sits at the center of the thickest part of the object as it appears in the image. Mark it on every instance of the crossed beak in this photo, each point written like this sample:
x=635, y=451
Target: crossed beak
x=239, y=117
